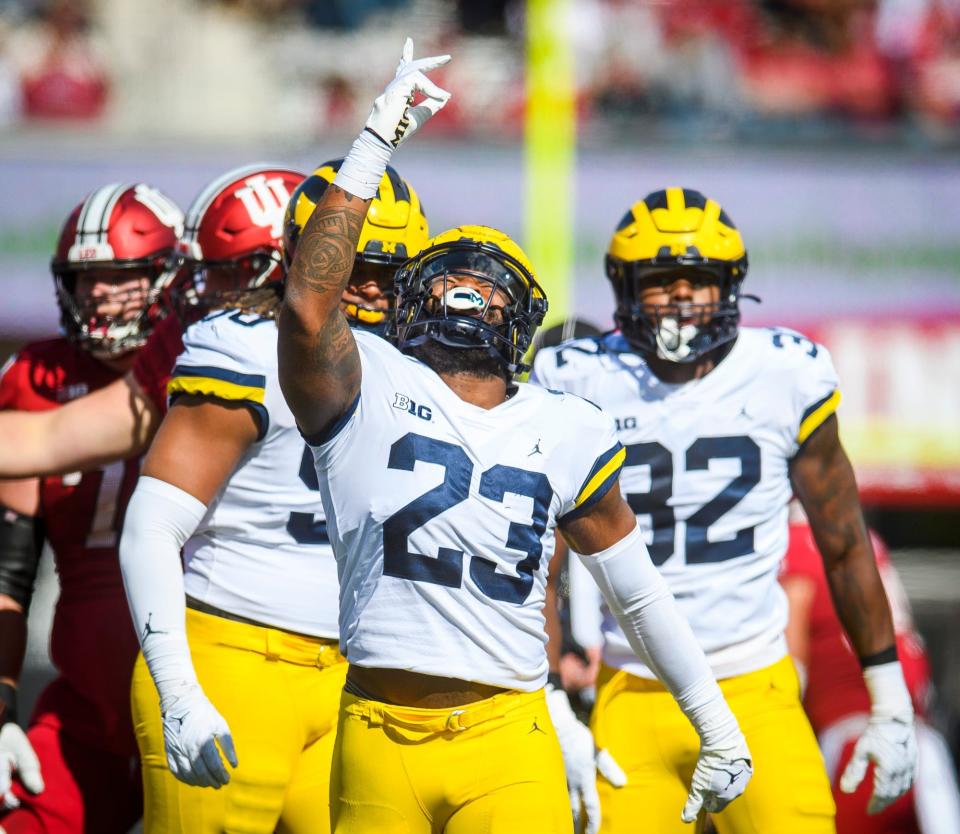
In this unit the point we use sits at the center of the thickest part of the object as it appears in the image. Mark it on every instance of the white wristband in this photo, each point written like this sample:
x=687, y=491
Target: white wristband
x=889, y=696
x=364, y=167
x=160, y=518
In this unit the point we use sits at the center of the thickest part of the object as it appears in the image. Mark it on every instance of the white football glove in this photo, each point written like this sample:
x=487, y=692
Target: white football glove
x=17, y=756
x=581, y=760
x=890, y=740
x=721, y=775
x=393, y=119
x=191, y=730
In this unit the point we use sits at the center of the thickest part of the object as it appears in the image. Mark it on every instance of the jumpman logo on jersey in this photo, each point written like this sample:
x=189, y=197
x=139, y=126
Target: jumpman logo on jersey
x=148, y=629
x=536, y=728
x=536, y=449
x=743, y=413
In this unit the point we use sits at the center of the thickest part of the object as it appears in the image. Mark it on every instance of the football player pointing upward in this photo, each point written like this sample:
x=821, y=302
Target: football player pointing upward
x=241, y=643
x=441, y=518
x=719, y=424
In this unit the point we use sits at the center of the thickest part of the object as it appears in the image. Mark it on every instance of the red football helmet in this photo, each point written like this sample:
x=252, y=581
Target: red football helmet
x=233, y=236
x=111, y=263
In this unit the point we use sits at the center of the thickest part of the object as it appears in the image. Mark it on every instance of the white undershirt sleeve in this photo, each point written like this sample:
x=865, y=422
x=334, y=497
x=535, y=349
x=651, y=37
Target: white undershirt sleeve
x=642, y=603
x=160, y=518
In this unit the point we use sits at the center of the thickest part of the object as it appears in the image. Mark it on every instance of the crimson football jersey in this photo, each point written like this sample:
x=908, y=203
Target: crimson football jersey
x=835, y=687
x=92, y=643
x=154, y=364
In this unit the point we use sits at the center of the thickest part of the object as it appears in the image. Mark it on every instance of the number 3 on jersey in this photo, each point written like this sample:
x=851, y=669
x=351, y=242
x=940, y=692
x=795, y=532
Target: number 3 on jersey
x=656, y=502
x=304, y=527
x=447, y=567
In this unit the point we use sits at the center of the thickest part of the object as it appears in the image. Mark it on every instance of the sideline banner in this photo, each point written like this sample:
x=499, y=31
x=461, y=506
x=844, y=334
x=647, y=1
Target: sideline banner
x=900, y=413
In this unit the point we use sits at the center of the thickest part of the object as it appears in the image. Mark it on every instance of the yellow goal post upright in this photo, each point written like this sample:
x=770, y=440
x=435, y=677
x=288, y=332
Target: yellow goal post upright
x=550, y=138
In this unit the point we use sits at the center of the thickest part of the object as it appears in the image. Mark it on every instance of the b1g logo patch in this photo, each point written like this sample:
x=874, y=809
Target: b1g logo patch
x=404, y=403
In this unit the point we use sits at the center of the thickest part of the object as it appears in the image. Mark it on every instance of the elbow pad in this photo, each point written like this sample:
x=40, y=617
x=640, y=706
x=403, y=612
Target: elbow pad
x=21, y=543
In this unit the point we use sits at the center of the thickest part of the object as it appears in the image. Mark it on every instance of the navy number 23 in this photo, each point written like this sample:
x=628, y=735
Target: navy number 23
x=447, y=567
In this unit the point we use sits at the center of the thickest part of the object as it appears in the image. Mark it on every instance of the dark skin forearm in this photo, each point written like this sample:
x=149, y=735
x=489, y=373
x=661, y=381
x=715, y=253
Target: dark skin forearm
x=550, y=612
x=318, y=360
x=824, y=482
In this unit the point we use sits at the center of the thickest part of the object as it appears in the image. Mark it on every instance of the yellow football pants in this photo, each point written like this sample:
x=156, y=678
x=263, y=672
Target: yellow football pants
x=492, y=767
x=638, y=721
x=280, y=695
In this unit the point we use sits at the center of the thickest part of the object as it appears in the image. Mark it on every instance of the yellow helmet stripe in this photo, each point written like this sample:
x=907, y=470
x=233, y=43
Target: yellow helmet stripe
x=675, y=201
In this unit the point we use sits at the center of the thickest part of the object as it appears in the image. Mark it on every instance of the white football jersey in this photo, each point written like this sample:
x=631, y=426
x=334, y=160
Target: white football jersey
x=262, y=550
x=442, y=514
x=706, y=471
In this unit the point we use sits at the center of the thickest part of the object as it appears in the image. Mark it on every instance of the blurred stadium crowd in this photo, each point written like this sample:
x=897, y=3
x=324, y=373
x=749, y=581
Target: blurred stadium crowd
x=878, y=69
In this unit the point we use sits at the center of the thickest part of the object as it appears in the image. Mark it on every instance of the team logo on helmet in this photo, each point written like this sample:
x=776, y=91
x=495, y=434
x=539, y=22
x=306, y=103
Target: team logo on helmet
x=265, y=201
x=676, y=232
x=233, y=239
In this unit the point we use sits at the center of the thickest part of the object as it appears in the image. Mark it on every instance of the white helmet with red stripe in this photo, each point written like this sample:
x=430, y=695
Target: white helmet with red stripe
x=233, y=235
x=111, y=262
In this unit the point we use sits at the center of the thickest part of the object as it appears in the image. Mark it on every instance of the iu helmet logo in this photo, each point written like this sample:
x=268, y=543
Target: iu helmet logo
x=235, y=223
x=265, y=201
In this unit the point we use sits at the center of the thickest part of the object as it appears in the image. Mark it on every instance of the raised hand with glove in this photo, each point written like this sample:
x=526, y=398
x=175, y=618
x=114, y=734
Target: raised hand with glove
x=393, y=119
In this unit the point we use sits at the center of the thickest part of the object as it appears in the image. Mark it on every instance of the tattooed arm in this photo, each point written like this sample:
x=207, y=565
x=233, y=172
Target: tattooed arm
x=823, y=480
x=319, y=363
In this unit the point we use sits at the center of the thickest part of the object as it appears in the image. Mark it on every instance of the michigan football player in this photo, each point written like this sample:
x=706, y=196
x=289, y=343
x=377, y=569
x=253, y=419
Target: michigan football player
x=720, y=424
x=442, y=480
x=241, y=645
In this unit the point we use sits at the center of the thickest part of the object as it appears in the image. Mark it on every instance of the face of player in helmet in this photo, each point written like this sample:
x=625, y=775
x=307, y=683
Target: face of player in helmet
x=204, y=285
x=678, y=302
x=468, y=295
x=694, y=294
x=463, y=295
x=109, y=304
x=368, y=296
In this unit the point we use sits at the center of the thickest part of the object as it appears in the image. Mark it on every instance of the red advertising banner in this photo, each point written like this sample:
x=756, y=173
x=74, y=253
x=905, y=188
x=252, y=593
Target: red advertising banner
x=900, y=413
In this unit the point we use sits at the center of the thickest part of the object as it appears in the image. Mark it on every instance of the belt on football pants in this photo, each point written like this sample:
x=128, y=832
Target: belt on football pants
x=445, y=720
x=274, y=643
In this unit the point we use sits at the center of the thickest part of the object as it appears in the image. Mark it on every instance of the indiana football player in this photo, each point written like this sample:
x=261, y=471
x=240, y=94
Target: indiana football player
x=120, y=419
x=242, y=643
x=720, y=425
x=442, y=480
x=75, y=768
